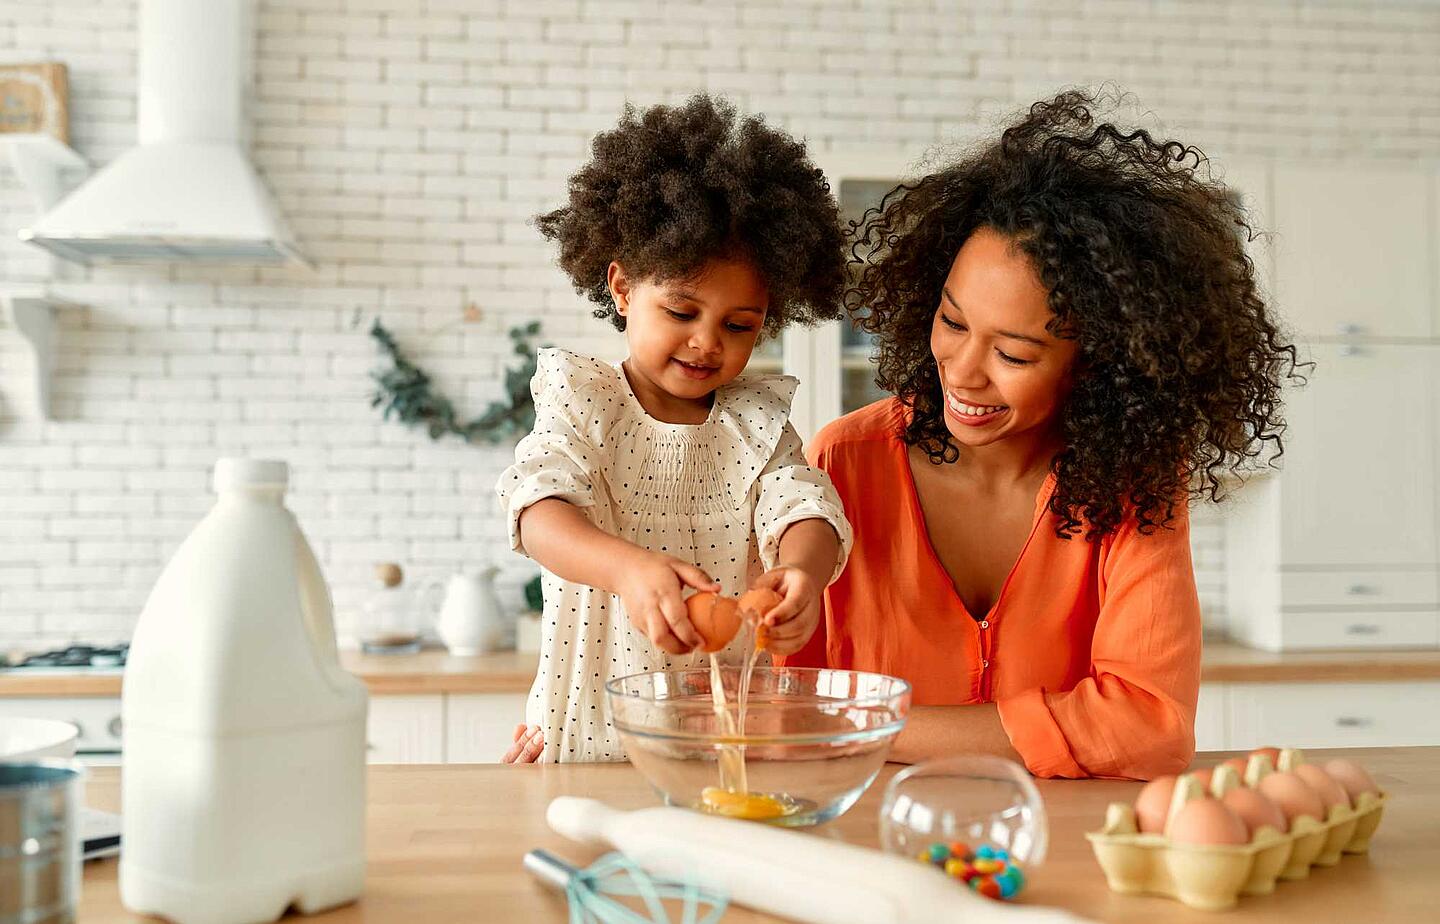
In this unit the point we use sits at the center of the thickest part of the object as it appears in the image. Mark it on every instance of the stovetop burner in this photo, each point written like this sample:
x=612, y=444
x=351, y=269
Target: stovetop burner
x=76, y=656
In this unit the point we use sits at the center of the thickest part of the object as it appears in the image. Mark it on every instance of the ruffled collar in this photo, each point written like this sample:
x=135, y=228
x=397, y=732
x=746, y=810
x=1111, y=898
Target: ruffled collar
x=754, y=407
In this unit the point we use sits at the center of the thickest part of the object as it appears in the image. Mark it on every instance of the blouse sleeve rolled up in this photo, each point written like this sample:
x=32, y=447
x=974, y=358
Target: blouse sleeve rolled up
x=555, y=460
x=792, y=490
x=1133, y=717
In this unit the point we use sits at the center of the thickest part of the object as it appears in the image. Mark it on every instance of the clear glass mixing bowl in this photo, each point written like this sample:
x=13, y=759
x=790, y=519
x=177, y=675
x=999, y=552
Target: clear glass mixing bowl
x=812, y=739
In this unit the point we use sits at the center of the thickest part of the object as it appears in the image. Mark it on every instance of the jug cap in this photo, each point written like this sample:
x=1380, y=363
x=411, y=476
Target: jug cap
x=234, y=473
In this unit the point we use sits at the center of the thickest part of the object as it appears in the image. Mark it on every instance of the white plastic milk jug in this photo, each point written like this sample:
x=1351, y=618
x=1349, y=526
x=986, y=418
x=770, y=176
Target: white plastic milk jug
x=243, y=789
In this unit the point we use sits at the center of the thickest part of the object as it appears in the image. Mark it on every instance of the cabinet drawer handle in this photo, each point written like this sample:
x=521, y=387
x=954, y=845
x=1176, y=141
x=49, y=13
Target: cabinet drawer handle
x=1361, y=589
x=1354, y=721
x=1350, y=330
x=1362, y=628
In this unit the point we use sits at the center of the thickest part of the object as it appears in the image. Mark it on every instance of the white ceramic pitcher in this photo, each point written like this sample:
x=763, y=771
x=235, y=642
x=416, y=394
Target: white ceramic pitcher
x=470, y=619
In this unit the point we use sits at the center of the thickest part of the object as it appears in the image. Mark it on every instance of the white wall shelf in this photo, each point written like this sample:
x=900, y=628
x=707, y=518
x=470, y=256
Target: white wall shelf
x=41, y=162
x=33, y=317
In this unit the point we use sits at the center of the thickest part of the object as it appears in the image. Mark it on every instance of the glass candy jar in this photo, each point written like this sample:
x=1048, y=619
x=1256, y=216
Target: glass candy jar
x=391, y=620
x=984, y=807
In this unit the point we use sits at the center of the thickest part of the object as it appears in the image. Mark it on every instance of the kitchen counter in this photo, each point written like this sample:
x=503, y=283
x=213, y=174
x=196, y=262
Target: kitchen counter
x=512, y=672
x=444, y=844
x=427, y=672
x=1227, y=662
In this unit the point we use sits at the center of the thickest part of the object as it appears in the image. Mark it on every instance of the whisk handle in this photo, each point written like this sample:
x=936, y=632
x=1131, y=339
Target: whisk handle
x=549, y=869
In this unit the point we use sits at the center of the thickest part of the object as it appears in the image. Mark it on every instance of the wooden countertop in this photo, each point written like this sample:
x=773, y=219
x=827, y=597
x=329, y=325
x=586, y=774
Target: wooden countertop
x=512, y=672
x=427, y=672
x=444, y=843
x=1227, y=662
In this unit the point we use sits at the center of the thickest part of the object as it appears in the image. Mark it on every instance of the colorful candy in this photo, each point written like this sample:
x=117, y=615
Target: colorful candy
x=986, y=870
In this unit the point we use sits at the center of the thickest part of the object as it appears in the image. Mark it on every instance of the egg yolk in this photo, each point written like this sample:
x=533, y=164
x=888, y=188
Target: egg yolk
x=750, y=806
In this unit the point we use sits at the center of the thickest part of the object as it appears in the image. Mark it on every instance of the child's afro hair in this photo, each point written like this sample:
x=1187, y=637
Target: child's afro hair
x=673, y=187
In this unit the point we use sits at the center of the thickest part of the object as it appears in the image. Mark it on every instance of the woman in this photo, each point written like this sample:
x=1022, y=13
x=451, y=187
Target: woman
x=1075, y=343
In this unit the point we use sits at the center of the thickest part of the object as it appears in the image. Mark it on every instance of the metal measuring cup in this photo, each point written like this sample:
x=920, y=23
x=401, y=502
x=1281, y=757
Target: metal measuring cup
x=40, y=841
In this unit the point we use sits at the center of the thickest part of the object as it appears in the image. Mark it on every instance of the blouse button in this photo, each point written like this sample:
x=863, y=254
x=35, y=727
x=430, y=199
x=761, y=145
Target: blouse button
x=984, y=623
x=984, y=663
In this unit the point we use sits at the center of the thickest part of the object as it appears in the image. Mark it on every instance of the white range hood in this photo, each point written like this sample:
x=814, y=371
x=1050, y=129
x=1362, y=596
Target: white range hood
x=188, y=193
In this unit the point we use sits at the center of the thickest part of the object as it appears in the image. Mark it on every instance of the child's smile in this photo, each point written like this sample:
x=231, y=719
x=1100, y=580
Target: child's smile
x=696, y=370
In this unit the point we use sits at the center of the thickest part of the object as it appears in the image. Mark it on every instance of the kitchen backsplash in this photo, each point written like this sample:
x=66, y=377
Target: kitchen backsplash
x=409, y=151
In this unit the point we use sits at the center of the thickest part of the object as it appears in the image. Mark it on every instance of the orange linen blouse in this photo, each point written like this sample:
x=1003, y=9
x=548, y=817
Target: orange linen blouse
x=1091, y=651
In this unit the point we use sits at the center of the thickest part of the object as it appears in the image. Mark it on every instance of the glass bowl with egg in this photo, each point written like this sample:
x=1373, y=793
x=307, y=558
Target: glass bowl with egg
x=808, y=744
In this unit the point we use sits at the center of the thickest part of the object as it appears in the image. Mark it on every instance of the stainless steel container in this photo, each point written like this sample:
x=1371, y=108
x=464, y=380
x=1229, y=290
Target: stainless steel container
x=39, y=842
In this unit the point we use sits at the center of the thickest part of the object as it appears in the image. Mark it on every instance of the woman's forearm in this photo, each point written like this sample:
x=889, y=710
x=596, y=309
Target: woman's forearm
x=948, y=731
x=559, y=536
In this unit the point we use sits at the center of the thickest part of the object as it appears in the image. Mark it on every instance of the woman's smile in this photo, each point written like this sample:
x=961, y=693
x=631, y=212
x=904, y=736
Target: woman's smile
x=972, y=415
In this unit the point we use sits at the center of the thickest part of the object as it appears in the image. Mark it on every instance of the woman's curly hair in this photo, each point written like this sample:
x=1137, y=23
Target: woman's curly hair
x=1179, y=365
x=673, y=187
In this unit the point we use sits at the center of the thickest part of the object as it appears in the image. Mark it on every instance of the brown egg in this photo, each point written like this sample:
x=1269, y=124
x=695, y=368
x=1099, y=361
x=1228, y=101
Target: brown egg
x=1330, y=792
x=715, y=618
x=1238, y=763
x=1207, y=821
x=1204, y=775
x=1293, y=795
x=1352, y=776
x=1153, y=803
x=1255, y=810
x=1272, y=753
x=759, y=601
x=754, y=605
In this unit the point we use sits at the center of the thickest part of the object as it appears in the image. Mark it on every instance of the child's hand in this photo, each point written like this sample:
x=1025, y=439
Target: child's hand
x=792, y=621
x=650, y=588
x=529, y=742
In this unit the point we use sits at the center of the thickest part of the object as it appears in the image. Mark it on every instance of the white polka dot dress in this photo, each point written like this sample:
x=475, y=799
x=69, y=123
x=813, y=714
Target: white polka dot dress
x=718, y=494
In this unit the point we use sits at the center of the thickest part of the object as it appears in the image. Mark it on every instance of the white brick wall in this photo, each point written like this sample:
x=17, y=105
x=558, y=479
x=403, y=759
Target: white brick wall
x=409, y=152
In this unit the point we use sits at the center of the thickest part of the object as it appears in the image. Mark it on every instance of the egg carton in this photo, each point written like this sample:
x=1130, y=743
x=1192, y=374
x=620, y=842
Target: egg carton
x=1212, y=877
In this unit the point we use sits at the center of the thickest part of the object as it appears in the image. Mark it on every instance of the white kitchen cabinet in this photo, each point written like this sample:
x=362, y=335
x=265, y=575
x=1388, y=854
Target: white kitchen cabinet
x=1333, y=715
x=1354, y=249
x=1360, y=587
x=1360, y=459
x=1340, y=547
x=406, y=729
x=1434, y=258
x=1364, y=628
x=1212, y=715
x=479, y=727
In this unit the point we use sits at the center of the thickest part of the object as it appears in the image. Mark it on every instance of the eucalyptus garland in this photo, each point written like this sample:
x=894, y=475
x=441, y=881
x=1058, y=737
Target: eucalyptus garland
x=405, y=392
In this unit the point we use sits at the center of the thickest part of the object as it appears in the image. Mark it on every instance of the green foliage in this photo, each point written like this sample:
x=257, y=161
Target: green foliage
x=534, y=599
x=405, y=392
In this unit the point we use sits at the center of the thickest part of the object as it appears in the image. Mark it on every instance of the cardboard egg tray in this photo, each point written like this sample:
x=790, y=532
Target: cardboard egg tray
x=1213, y=876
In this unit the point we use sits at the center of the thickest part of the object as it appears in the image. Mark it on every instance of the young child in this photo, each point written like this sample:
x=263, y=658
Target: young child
x=694, y=232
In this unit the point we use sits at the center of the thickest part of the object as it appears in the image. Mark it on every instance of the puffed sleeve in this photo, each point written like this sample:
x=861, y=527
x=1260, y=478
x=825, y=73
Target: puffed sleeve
x=792, y=490
x=557, y=458
x=1133, y=717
